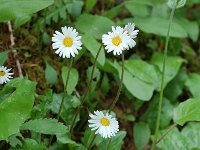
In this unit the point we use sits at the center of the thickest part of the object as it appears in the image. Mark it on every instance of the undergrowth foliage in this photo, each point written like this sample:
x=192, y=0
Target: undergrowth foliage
x=104, y=75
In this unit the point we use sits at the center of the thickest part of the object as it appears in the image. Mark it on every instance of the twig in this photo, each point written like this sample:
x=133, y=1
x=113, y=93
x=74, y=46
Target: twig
x=14, y=50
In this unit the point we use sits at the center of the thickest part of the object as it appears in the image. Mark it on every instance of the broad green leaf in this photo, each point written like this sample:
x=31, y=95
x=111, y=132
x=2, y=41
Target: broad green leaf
x=50, y=74
x=179, y=4
x=193, y=84
x=16, y=108
x=144, y=71
x=3, y=57
x=137, y=9
x=159, y=26
x=172, y=141
x=141, y=134
x=187, y=111
x=13, y=140
x=73, y=78
x=45, y=126
x=191, y=27
x=93, y=46
x=175, y=87
x=173, y=64
x=151, y=113
x=11, y=9
x=65, y=139
x=105, y=86
x=115, y=144
x=192, y=135
x=114, y=11
x=68, y=109
x=135, y=86
x=94, y=25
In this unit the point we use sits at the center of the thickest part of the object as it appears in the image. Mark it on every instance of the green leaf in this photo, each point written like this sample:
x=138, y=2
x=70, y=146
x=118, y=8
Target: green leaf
x=16, y=108
x=191, y=27
x=173, y=141
x=73, y=79
x=99, y=26
x=144, y=71
x=159, y=26
x=137, y=9
x=151, y=113
x=21, y=20
x=93, y=46
x=3, y=57
x=115, y=144
x=69, y=107
x=173, y=64
x=179, y=4
x=11, y=9
x=187, y=111
x=45, y=126
x=31, y=144
x=175, y=87
x=50, y=74
x=142, y=134
x=114, y=11
x=135, y=86
x=89, y=5
x=192, y=135
x=193, y=83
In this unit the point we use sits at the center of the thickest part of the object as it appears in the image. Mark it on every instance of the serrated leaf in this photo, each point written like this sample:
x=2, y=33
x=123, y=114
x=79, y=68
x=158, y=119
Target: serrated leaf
x=142, y=134
x=50, y=74
x=187, y=111
x=99, y=26
x=193, y=84
x=45, y=126
x=16, y=108
x=11, y=9
x=93, y=46
x=73, y=78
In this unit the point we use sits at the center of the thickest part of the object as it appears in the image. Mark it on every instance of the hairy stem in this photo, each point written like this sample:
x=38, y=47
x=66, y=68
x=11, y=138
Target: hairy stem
x=87, y=90
x=163, y=77
x=63, y=97
x=120, y=86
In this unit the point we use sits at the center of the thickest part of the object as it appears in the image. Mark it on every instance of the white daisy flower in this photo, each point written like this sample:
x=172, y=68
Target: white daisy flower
x=104, y=125
x=5, y=75
x=116, y=41
x=66, y=43
x=130, y=28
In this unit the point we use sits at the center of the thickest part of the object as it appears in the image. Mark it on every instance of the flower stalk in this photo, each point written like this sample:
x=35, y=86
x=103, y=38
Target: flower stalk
x=163, y=77
x=88, y=89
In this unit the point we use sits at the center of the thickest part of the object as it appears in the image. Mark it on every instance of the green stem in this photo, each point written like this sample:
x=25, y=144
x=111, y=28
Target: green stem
x=90, y=145
x=63, y=97
x=108, y=144
x=120, y=86
x=88, y=89
x=163, y=77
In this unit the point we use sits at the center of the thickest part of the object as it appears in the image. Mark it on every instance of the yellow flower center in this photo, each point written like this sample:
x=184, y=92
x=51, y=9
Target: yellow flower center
x=105, y=121
x=2, y=73
x=116, y=40
x=68, y=41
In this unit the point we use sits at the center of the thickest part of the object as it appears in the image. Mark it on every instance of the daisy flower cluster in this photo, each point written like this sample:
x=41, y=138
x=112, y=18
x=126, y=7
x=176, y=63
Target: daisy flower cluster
x=120, y=39
x=5, y=75
x=104, y=124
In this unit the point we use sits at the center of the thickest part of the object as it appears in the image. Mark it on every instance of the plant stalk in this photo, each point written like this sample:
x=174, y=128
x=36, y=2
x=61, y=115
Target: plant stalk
x=63, y=97
x=88, y=89
x=120, y=87
x=163, y=77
